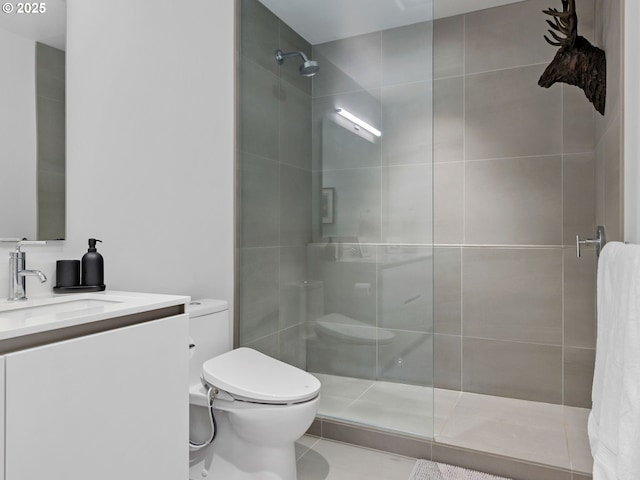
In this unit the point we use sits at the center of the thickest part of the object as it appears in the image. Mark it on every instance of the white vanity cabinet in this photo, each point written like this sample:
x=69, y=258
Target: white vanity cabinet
x=101, y=406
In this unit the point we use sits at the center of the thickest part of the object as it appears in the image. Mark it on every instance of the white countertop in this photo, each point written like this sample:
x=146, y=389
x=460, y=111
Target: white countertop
x=45, y=313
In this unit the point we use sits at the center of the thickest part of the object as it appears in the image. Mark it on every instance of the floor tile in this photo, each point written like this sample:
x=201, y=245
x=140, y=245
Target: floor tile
x=526, y=430
x=396, y=407
x=337, y=461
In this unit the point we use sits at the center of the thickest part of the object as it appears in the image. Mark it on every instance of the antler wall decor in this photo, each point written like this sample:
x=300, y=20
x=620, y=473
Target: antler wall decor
x=577, y=62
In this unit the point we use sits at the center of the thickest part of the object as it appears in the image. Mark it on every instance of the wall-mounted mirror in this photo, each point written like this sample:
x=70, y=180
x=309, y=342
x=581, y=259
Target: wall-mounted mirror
x=32, y=120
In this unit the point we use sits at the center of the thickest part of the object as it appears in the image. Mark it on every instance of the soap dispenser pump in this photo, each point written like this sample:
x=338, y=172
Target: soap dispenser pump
x=92, y=266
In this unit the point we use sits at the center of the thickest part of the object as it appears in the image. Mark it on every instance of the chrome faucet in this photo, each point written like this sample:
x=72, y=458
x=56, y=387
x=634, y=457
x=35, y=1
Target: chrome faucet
x=18, y=271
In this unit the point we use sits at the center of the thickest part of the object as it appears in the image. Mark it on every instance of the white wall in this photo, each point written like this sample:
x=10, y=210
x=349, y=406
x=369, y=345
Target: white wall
x=632, y=123
x=150, y=125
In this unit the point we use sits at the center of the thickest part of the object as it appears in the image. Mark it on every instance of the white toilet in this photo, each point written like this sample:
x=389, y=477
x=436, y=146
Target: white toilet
x=261, y=406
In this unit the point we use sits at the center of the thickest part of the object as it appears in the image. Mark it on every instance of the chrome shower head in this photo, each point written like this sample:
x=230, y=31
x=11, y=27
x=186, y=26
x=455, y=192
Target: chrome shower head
x=308, y=68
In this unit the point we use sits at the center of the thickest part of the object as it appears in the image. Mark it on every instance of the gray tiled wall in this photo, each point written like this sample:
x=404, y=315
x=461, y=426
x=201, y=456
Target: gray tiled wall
x=514, y=177
x=274, y=194
x=515, y=174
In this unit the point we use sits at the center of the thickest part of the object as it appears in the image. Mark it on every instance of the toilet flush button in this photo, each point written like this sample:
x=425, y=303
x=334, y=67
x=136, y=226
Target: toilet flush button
x=205, y=472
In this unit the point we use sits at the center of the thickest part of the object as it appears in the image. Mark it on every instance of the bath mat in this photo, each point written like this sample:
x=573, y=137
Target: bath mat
x=426, y=470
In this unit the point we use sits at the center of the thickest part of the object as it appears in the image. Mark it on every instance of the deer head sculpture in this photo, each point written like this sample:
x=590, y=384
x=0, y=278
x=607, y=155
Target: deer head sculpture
x=577, y=62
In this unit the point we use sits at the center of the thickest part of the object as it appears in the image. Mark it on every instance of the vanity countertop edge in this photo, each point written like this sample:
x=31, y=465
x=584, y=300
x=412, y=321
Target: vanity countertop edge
x=42, y=314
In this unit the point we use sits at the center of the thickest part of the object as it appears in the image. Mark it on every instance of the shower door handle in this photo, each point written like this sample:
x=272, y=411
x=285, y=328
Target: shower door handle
x=598, y=242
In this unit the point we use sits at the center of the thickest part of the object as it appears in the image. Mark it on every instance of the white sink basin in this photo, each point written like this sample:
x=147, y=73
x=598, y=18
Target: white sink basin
x=60, y=310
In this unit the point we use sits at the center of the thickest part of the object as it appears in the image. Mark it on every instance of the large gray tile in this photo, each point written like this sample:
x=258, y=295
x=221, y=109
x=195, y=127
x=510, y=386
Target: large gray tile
x=292, y=343
x=579, y=299
x=578, y=196
x=328, y=356
x=259, y=201
x=407, y=54
x=513, y=294
x=343, y=148
x=447, y=291
x=267, y=345
x=448, y=47
x=259, y=105
x=508, y=115
x=396, y=407
x=448, y=120
x=316, y=207
x=407, y=112
x=357, y=201
x=405, y=289
x=448, y=361
x=304, y=443
x=259, y=34
x=506, y=37
x=295, y=206
x=290, y=41
x=578, y=376
x=496, y=465
x=337, y=461
x=348, y=65
x=407, y=204
x=516, y=201
x=295, y=127
x=448, y=203
x=578, y=121
x=512, y=369
x=259, y=294
x=407, y=358
x=350, y=288
x=444, y=404
x=338, y=392
x=293, y=289
x=519, y=429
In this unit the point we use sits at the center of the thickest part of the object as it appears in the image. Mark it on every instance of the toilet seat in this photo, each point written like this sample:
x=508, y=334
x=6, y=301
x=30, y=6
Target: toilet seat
x=249, y=375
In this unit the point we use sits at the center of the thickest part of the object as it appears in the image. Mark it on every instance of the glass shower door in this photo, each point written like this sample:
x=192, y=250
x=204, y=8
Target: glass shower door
x=335, y=241
x=370, y=337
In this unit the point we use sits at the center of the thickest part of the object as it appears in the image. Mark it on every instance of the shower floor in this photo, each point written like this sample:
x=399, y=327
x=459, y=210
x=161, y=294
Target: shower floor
x=543, y=433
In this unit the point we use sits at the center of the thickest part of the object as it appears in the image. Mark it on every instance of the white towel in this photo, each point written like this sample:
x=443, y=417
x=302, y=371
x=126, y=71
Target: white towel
x=614, y=422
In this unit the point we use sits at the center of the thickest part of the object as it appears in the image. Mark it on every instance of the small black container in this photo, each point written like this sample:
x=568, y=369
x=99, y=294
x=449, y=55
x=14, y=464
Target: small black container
x=67, y=273
x=92, y=266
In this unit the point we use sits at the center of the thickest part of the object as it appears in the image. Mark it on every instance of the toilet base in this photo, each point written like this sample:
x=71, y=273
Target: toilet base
x=233, y=458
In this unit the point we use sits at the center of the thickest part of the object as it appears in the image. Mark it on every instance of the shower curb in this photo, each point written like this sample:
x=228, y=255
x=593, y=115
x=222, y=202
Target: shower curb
x=415, y=447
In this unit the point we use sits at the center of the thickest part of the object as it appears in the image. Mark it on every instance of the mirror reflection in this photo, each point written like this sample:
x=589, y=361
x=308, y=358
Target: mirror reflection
x=32, y=120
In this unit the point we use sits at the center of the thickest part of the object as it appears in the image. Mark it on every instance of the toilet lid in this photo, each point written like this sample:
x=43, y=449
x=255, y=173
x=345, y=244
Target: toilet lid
x=250, y=375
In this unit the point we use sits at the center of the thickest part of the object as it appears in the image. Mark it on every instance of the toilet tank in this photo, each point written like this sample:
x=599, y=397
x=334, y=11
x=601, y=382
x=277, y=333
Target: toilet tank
x=209, y=333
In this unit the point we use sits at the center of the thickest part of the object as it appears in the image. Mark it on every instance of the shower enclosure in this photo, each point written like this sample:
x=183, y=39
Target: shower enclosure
x=335, y=238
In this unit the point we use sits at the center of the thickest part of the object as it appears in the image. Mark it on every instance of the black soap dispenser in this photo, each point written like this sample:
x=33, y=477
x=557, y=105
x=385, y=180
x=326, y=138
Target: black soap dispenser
x=92, y=266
